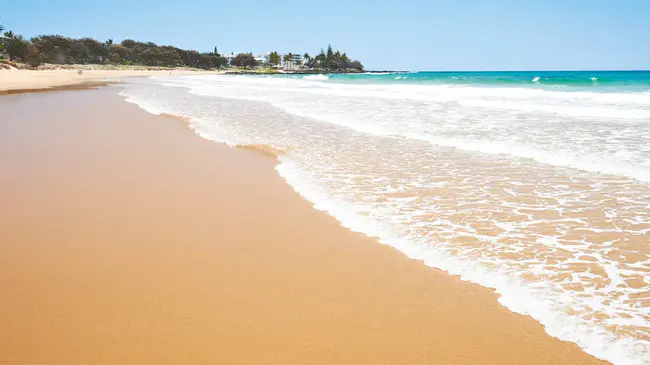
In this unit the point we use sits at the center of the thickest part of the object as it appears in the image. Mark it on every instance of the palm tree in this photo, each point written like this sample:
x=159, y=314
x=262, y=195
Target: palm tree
x=288, y=59
x=273, y=58
x=9, y=34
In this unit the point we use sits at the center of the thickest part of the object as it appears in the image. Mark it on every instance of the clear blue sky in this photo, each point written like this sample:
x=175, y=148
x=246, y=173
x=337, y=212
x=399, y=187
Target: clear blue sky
x=407, y=34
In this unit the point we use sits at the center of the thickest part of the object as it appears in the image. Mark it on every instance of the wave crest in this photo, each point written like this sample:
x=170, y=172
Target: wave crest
x=316, y=77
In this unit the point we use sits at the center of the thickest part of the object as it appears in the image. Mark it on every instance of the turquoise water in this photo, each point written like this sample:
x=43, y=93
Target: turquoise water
x=621, y=81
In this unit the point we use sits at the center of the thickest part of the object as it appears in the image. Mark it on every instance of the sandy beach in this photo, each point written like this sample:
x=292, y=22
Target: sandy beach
x=127, y=239
x=17, y=81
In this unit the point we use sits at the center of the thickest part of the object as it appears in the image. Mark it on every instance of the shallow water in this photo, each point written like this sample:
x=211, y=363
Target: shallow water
x=538, y=192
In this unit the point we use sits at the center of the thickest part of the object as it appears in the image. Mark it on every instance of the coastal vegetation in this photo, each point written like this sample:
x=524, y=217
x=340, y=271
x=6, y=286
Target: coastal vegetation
x=57, y=49
x=245, y=60
x=273, y=59
x=332, y=61
x=60, y=50
x=325, y=61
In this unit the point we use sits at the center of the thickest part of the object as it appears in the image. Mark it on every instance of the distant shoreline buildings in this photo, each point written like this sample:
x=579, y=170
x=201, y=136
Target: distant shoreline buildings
x=296, y=62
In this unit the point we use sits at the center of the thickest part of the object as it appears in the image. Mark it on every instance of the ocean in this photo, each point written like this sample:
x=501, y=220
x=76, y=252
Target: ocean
x=535, y=184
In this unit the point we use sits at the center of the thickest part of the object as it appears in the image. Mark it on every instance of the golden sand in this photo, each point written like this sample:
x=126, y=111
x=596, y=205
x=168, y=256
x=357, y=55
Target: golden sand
x=127, y=239
x=19, y=81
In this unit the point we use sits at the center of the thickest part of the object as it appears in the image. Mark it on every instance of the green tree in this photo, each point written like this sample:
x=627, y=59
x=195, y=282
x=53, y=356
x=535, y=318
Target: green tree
x=273, y=58
x=63, y=50
x=2, y=45
x=320, y=60
x=117, y=54
x=53, y=49
x=356, y=65
x=17, y=48
x=161, y=56
x=333, y=61
x=245, y=60
x=288, y=60
x=208, y=61
x=329, y=58
x=5, y=40
x=84, y=50
x=129, y=43
x=33, y=58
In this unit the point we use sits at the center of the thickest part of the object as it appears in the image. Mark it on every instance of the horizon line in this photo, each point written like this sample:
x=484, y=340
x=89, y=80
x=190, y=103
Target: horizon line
x=518, y=70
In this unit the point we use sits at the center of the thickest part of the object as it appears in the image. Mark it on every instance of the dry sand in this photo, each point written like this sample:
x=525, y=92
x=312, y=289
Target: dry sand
x=14, y=79
x=127, y=239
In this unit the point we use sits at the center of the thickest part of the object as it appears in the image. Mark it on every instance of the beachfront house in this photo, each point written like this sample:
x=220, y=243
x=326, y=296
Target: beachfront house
x=296, y=60
x=229, y=58
x=260, y=60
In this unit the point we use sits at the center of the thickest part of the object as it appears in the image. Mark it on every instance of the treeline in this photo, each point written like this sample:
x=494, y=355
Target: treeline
x=62, y=50
x=57, y=49
x=332, y=60
x=327, y=61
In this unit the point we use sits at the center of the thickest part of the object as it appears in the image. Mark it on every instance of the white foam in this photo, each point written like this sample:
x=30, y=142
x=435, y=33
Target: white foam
x=316, y=77
x=404, y=118
x=149, y=106
x=382, y=114
x=513, y=294
x=584, y=162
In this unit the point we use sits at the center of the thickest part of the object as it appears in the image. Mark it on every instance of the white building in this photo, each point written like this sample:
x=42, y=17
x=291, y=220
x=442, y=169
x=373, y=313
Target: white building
x=296, y=60
x=260, y=59
x=229, y=58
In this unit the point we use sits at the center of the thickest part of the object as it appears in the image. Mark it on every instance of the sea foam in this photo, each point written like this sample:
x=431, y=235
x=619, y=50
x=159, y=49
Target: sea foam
x=316, y=77
x=428, y=169
x=513, y=294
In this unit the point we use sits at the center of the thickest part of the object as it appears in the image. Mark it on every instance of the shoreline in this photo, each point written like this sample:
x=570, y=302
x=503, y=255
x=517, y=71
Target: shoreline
x=155, y=258
x=84, y=85
x=20, y=81
x=305, y=72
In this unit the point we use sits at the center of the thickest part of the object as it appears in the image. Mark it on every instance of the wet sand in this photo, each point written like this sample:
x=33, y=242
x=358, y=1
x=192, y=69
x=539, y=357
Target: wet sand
x=127, y=239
